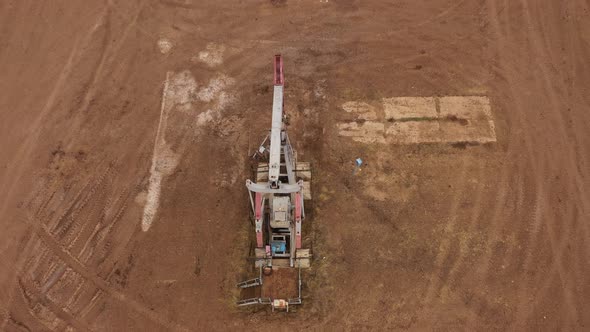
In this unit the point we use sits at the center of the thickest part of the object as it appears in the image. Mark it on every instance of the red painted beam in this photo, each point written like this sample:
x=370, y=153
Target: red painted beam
x=298, y=220
x=258, y=214
x=298, y=206
x=258, y=205
x=279, y=78
x=259, y=243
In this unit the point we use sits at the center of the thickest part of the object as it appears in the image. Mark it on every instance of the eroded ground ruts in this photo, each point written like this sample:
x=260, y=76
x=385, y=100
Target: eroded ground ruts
x=432, y=232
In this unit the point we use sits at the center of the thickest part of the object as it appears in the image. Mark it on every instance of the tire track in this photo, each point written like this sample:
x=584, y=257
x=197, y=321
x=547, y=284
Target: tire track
x=549, y=89
x=541, y=45
x=35, y=297
x=457, y=265
x=101, y=284
x=109, y=51
x=51, y=270
x=80, y=45
x=539, y=166
x=442, y=14
x=554, y=273
x=69, y=223
x=576, y=160
x=497, y=224
x=444, y=250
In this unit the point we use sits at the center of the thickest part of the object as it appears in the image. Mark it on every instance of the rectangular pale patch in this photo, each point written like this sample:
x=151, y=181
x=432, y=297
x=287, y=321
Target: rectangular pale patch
x=475, y=131
x=471, y=108
x=404, y=108
x=366, y=132
x=466, y=119
x=414, y=120
x=412, y=132
x=362, y=110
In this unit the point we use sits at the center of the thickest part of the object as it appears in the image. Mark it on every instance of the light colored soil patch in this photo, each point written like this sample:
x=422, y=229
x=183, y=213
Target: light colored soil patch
x=164, y=162
x=180, y=95
x=215, y=87
x=472, y=108
x=476, y=110
x=367, y=132
x=476, y=131
x=177, y=91
x=164, y=45
x=212, y=55
x=413, y=132
x=376, y=193
x=415, y=120
x=400, y=108
x=363, y=110
x=381, y=184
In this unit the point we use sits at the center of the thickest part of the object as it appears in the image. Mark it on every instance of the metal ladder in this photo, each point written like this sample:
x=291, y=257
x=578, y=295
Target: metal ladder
x=256, y=300
x=250, y=283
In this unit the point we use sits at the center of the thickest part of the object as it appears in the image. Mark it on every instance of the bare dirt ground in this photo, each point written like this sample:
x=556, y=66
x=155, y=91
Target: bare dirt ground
x=125, y=128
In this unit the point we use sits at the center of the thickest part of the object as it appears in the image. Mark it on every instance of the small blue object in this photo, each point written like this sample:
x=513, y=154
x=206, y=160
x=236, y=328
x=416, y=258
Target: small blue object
x=359, y=162
x=278, y=247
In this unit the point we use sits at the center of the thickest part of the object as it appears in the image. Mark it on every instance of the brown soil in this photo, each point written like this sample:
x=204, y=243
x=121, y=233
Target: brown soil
x=472, y=237
x=281, y=284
